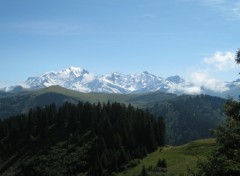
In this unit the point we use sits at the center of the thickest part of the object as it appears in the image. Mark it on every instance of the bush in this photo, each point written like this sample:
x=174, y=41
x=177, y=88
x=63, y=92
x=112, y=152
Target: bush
x=143, y=172
x=162, y=163
x=133, y=163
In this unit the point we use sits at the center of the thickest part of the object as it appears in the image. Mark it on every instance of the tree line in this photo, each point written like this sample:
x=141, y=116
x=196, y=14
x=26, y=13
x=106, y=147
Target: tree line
x=97, y=139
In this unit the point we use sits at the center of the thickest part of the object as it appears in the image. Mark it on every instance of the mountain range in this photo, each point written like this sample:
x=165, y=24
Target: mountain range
x=81, y=80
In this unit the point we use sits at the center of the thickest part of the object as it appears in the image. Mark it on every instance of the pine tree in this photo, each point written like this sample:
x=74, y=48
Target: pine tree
x=161, y=133
x=162, y=163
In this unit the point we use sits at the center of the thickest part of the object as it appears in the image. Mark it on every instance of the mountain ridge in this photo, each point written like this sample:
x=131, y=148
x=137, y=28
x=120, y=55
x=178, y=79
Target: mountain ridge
x=81, y=80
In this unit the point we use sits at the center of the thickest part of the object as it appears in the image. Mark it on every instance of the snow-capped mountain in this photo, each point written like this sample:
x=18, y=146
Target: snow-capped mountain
x=64, y=78
x=144, y=82
x=81, y=80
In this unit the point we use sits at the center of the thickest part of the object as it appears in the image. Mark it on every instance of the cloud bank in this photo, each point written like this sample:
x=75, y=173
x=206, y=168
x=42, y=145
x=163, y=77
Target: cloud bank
x=203, y=80
x=200, y=80
x=221, y=61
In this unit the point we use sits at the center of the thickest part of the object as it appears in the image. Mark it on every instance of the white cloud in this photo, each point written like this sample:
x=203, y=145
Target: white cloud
x=203, y=80
x=221, y=61
x=197, y=82
x=194, y=90
x=186, y=89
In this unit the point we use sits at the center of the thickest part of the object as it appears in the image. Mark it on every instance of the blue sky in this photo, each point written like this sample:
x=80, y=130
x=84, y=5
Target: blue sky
x=164, y=37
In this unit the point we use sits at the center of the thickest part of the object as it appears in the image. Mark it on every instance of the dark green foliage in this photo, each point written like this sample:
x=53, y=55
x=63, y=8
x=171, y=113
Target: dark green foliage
x=133, y=163
x=143, y=171
x=189, y=118
x=238, y=56
x=162, y=163
x=225, y=160
x=97, y=139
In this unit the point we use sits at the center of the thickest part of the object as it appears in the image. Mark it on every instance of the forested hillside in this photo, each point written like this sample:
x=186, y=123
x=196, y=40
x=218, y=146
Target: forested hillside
x=187, y=117
x=94, y=139
x=190, y=118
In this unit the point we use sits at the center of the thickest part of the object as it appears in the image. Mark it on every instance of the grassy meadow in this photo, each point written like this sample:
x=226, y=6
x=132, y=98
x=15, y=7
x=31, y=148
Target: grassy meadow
x=178, y=158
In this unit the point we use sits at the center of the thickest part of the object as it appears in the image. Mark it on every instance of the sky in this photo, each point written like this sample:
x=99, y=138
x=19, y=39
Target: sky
x=196, y=39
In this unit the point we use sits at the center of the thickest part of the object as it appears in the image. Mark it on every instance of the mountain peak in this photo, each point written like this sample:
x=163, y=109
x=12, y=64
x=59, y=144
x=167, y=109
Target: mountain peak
x=175, y=79
x=116, y=73
x=81, y=80
x=77, y=71
x=73, y=69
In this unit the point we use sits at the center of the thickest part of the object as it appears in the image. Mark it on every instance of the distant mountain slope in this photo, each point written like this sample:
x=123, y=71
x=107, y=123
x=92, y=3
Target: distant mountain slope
x=15, y=103
x=190, y=117
x=187, y=117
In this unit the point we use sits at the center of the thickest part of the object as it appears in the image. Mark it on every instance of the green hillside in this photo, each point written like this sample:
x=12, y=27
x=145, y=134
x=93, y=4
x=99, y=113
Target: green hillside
x=178, y=158
x=15, y=103
x=20, y=102
x=189, y=118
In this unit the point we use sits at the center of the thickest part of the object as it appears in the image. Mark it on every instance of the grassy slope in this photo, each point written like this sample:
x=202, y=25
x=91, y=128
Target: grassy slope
x=20, y=102
x=137, y=99
x=91, y=97
x=178, y=158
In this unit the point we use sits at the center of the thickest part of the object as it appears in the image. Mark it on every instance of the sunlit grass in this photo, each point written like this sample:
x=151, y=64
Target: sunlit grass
x=178, y=158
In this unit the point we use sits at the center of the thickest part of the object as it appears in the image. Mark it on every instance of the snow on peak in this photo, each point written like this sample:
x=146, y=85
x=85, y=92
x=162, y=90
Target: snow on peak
x=175, y=79
x=64, y=78
x=74, y=71
x=74, y=68
x=81, y=80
